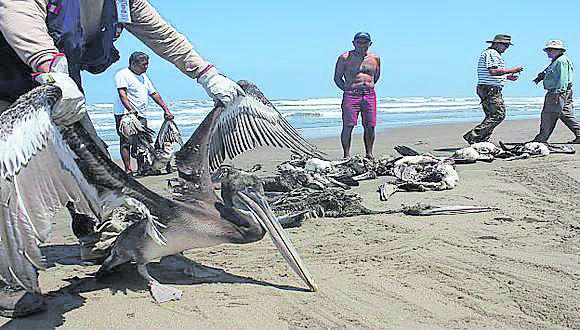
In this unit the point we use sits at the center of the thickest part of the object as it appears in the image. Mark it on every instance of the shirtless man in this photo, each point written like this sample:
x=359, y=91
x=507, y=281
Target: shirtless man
x=356, y=73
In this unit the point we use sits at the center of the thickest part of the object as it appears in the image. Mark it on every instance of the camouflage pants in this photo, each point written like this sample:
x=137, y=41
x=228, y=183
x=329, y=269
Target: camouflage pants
x=557, y=106
x=494, y=109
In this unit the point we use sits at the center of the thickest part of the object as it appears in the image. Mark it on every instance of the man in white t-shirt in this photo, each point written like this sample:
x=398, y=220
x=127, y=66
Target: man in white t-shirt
x=134, y=89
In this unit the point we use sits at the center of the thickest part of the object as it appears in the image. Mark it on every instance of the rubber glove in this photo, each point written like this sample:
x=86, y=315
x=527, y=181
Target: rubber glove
x=71, y=107
x=219, y=87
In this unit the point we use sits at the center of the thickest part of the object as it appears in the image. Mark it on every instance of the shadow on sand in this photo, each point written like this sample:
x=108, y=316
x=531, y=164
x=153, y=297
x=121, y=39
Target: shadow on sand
x=170, y=270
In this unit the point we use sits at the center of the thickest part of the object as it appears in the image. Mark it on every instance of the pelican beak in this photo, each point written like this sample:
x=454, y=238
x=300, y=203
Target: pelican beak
x=262, y=212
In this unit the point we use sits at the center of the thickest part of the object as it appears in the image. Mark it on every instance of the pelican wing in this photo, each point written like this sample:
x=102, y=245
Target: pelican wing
x=168, y=133
x=250, y=122
x=38, y=175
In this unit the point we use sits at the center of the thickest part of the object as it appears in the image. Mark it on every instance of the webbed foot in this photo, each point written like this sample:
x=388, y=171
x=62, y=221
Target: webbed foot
x=163, y=293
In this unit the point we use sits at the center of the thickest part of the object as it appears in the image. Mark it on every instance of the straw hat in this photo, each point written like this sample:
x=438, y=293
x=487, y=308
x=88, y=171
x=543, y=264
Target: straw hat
x=555, y=44
x=501, y=38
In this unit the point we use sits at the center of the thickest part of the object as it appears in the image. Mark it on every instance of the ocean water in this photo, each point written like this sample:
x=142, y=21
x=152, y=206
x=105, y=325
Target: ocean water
x=321, y=117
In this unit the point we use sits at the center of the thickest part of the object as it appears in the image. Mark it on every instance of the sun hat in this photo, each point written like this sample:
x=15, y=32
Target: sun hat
x=362, y=35
x=501, y=38
x=555, y=44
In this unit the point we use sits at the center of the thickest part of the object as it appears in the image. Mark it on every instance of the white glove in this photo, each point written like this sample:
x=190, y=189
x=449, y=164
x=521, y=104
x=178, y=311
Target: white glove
x=71, y=107
x=219, y=87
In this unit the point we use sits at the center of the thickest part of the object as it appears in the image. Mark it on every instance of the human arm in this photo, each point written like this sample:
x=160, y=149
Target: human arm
x=149, y=27
x=378, y=70
x=501, y=72
x=494, y=64
x=159, y=100
x=122, y=84
x=339, y=74
x=23, y=25
x=125, y=99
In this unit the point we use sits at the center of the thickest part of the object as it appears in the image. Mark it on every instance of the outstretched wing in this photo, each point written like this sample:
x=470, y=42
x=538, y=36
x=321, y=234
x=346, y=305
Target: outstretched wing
x=250, y=122
x=168, y=133
x=38, y=176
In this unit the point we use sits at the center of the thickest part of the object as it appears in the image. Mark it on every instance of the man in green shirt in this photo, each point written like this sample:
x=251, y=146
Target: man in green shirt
x=558, y=79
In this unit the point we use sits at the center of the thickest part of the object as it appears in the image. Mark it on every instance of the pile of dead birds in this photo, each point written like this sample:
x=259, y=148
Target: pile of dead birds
x=304, y=187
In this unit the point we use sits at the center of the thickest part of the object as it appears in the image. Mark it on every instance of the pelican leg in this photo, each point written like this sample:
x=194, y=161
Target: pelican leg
x=387, y=190
x=161, y=293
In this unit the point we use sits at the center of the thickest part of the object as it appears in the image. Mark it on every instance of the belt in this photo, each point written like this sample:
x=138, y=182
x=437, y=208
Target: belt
x=361, y=91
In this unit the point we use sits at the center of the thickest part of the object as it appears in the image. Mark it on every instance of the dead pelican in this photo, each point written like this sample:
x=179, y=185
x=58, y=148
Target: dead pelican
x=534, y=149
x=161, y=154
x=43, y=167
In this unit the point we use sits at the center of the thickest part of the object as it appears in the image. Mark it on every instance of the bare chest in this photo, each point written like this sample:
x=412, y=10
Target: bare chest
x=357, y=65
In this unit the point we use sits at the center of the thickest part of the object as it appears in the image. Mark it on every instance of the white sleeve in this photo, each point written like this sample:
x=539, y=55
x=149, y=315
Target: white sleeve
x=121, y=80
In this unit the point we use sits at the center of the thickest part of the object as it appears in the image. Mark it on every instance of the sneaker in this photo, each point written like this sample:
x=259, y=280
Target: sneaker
x=16, y=302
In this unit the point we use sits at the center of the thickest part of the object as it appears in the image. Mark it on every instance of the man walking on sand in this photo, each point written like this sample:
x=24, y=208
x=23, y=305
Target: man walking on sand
x=491, y=77
x=356, y=73
x=133, y=91
x=558, y=80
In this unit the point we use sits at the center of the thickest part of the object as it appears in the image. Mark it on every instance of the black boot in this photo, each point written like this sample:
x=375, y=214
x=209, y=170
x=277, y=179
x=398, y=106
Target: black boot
x=16, y=302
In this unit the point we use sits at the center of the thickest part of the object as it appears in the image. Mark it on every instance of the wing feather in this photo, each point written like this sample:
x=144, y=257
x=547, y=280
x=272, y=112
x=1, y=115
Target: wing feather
x=250, y=119
x=38, y=175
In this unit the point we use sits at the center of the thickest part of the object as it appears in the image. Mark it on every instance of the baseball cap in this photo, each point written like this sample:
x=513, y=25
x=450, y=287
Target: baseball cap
x=362, y=35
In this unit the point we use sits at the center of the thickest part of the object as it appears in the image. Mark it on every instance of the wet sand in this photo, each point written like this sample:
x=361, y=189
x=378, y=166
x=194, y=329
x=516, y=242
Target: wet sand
x=516, y=268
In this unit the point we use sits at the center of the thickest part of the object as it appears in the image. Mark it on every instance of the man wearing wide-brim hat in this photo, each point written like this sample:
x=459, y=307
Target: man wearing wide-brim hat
x=558, y=79
x=491, y=77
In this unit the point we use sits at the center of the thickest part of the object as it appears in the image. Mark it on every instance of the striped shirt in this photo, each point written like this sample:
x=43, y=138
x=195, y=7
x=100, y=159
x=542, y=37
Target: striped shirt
x=490, y=58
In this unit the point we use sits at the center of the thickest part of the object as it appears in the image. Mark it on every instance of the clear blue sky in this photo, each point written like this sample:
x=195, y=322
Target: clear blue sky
x=289, y=48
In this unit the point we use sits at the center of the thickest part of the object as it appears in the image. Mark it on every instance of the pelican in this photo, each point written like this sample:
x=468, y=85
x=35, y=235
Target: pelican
x=44, y=167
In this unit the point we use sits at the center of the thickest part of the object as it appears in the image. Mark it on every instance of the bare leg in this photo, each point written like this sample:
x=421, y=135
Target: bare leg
x=369, y=139
x=126, y=157
x=345, y=140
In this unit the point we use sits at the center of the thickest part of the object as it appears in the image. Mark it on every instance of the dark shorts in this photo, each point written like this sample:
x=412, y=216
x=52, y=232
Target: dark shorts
x=125, y=142
x=363, y=101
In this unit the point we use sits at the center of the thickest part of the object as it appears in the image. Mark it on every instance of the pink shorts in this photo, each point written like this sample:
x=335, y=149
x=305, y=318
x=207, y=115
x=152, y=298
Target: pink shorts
x=359, y=100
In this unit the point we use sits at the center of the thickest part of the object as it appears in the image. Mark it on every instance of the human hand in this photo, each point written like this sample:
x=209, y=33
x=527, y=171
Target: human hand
x=219, y=87
x=168, y=115
x=71, y=107
x=517, y=69
x=539, y=78
x=512, y=77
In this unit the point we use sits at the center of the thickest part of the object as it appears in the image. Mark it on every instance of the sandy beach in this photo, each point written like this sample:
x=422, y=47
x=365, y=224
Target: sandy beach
x=516, y=268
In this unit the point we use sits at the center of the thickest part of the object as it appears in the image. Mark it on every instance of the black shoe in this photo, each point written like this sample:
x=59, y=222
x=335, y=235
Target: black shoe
x=19, y=303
